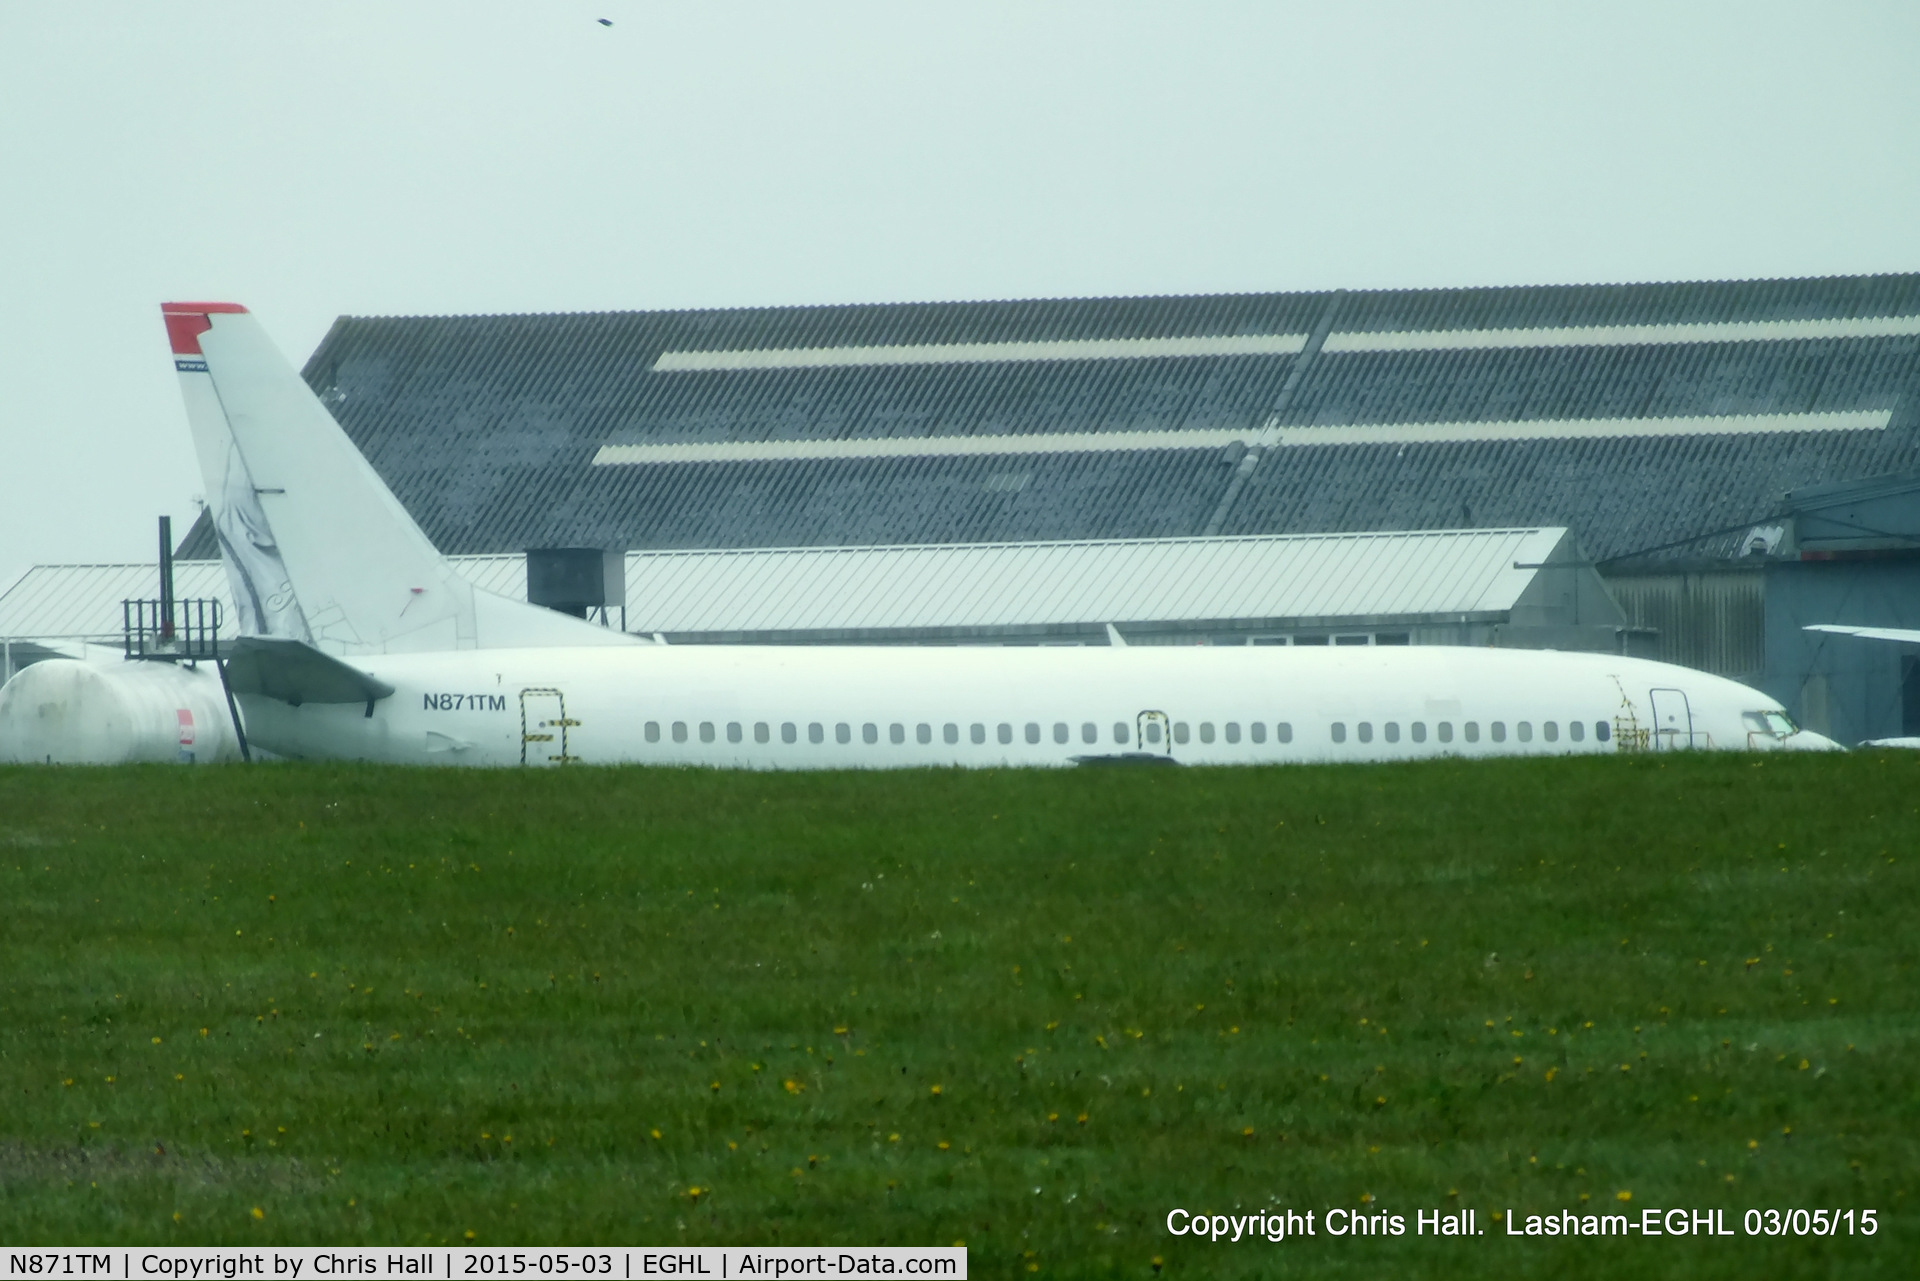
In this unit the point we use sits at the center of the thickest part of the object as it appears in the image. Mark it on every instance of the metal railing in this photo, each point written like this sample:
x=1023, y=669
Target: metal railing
x=1629, y=736
x=171, y=631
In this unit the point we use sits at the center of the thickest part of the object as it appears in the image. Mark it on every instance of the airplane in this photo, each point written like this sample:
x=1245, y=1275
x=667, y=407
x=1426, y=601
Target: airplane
x=362, y=642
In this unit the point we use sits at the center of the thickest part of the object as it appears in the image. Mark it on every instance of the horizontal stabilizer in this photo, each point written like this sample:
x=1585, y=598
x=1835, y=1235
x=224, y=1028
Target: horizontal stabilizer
x=1868, y=633
x=295, y=672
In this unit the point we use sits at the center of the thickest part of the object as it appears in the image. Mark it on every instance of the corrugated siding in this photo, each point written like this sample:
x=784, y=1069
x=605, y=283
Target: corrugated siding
x=1714, y=621
x=486, y=426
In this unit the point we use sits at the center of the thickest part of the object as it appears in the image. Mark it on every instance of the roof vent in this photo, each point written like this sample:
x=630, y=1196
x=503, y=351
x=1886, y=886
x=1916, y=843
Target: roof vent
x=1761, y=540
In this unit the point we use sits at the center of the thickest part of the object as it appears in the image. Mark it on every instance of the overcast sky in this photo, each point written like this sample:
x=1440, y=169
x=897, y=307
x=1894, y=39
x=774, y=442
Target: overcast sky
x=378, y=158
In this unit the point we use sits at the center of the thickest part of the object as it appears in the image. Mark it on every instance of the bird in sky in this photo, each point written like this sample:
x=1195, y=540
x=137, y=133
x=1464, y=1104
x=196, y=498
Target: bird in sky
x=605, y=22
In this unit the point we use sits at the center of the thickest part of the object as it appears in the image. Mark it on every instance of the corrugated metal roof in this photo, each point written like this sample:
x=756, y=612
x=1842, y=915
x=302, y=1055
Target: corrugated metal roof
x=1440, y=573
x=1001, y=585
x=81, y=602
x=486, y=427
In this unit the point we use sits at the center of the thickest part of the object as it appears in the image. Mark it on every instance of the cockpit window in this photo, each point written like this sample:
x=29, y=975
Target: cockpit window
x=1778, y=724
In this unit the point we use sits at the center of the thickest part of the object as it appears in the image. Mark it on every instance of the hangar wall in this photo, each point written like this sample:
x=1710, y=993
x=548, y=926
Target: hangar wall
x=1708, y=616
x=1844, y=686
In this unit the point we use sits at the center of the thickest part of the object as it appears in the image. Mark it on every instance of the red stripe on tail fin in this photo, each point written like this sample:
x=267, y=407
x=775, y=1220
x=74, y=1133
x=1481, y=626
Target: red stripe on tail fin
x=186, y=321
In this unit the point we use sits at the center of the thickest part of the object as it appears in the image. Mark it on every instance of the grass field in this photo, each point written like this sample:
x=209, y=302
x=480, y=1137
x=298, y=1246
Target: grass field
x=1029, y=1011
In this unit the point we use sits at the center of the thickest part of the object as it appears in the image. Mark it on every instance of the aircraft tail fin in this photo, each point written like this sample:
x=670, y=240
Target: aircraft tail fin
x=316, y=547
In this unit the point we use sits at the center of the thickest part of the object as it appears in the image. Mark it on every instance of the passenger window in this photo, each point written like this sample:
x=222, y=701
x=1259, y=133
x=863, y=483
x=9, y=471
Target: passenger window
x=706, y=731
x=1179, y=731
x=1089, y=733
x=923, y=732
x=1471, y=731
x=1393, y=731
x=1206, y=731
x=1419, y=729
x=869, y=733
x=1366, y=731
x=1153, y=733
x=679, y=731
x=762, y=732
x=950, y=732
x=1233, y=731
x=733, y=731
x=1525, y=731
x=1446, y=731
x=1004, y=733
x=1497, y=731
x=1576, y=730
x=1350, y=640
x=977, y=732
x=896, y=733
x=1309, y=640
x=1602, y=731
x=816, y=732
x=1033, y=731
x=788, y=733
x=1060, y=734
x=1122, y=732
x=1283, y=733
x=1257, y=731
x=843, y=733
x=1339, y=732
x=1550, y=731
x=653, y=731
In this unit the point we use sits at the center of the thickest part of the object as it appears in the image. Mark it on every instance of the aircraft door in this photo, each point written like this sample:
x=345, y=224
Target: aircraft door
x=1672, y=719
x=1156, y=735
x=543, y=727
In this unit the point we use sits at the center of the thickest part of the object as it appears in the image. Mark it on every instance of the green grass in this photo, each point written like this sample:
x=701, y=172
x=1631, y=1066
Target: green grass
x=1030, y=1011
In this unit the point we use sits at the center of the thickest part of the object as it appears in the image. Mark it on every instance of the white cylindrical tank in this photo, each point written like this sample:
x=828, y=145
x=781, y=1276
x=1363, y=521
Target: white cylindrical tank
x=63, y=712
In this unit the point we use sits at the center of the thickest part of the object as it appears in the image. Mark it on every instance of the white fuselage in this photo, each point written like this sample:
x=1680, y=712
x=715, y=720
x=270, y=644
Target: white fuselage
x=807, y=707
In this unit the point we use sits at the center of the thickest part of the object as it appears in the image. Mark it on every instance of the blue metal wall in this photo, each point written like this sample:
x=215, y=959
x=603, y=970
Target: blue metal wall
x=1840, y=685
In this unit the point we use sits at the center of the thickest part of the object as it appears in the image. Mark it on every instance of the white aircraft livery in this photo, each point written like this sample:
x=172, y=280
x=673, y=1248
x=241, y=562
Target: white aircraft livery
x=364, y=643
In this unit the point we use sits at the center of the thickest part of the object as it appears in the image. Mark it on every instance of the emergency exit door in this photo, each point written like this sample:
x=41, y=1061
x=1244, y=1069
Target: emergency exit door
x=1672, y=719
x=543, y=727
x=1155, y=734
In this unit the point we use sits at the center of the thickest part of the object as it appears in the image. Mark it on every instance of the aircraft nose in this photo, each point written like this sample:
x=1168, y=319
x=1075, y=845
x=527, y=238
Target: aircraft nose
x=1808, y=741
